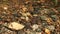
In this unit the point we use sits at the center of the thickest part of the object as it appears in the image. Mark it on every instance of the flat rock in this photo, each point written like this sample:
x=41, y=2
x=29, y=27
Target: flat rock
x=16, y=26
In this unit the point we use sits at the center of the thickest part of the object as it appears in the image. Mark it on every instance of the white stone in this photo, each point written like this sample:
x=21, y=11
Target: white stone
x=27, y=18
x=5, y=8
x=16, y=26
x=35, y=26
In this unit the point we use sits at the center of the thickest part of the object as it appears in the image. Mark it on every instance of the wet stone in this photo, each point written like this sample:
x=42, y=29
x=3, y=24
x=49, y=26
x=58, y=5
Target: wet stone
x=21, y=32
x=29, y=17
x=52, y=13
x=28, y=25
x=54, y=17
x=58, y=9
x=51, y=27
x=38, y=30
x=16, y=15
x=43, y=17
x=44, y=24
x=1, y=19
x=32, y=32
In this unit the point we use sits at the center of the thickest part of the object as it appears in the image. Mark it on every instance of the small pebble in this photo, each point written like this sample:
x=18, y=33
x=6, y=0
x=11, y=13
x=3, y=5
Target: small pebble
x=5, y=8
x=43, y=17
x=16, y=26
x=35, y=26
x=38, y=30
x=51, y=27
x=47, y=31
